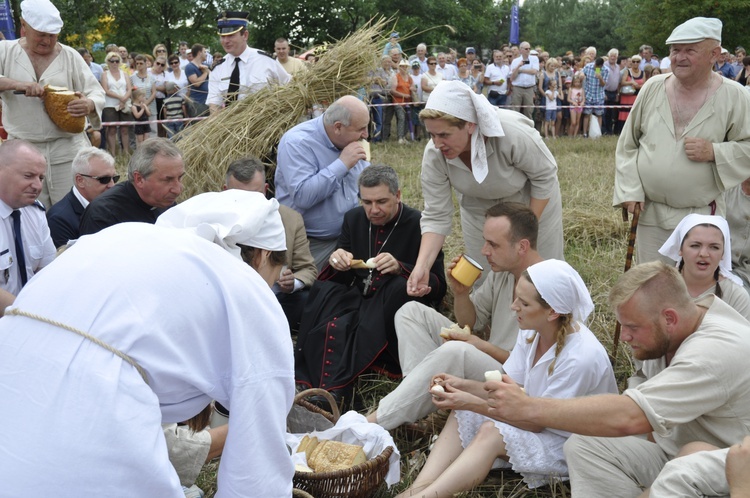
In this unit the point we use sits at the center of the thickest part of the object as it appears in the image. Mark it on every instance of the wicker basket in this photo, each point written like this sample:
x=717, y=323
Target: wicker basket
x=361, y=481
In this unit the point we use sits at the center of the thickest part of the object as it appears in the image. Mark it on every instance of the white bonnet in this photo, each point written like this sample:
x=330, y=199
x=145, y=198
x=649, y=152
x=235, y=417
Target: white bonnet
x=672, y=246
x=229, y=218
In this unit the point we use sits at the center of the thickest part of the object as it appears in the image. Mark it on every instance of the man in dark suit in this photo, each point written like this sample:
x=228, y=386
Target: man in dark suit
x=300, y=271
x=94, y=172
x=154, y=183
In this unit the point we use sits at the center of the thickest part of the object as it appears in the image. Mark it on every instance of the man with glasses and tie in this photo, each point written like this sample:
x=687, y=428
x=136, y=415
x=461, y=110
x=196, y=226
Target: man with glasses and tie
x=94, y=173
x=154, y=182
x=25, y=243
x=244, y=70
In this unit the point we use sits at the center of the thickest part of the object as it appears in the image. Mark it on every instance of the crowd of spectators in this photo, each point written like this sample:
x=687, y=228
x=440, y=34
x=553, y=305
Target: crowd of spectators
x=519, y=76
x=514, y=76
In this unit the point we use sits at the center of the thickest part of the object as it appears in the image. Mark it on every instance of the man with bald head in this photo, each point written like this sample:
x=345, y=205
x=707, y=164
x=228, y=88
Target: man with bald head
x=25, y=243
x=686, y=140
x=317, y=168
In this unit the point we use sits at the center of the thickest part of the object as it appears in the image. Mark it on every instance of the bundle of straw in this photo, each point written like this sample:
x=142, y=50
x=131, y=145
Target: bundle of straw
x=254, y=125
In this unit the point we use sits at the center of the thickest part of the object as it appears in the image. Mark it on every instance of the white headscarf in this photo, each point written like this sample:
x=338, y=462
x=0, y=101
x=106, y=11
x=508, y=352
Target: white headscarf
x=671, y=247
x=459, y=100
x=562, y=288
x=229, y=218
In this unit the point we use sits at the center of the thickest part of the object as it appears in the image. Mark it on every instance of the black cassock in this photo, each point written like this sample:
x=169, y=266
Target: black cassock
x=344, y=332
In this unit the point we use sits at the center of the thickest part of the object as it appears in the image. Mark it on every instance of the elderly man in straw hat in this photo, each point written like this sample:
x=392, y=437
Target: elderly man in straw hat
x=109, y=368
x=686, y=140
x=26, y=66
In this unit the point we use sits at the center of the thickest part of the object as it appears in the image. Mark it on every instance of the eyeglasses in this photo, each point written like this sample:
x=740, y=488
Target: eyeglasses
x=173, y=63
x=114, y=61
x=104, y=180
x=161, y=49
x=432, y=63
x=160, y=64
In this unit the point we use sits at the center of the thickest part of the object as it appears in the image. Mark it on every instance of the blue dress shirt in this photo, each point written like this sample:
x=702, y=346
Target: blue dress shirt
x=312, y=180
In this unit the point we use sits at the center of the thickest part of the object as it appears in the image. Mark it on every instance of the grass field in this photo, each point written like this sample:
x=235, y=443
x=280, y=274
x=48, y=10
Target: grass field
x=595, y=244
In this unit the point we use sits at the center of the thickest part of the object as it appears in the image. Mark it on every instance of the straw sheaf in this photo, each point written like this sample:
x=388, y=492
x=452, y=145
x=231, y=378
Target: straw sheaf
x=253, y=126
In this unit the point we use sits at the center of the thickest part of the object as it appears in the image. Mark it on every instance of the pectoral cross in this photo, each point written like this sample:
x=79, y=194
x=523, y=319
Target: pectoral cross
x=368, y=284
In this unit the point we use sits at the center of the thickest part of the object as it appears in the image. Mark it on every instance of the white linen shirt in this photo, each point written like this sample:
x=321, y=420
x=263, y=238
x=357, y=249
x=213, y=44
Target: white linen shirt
x=582, y=368
x=37, y=245
x=200, y=322
x=25, y=117
x=704, y=393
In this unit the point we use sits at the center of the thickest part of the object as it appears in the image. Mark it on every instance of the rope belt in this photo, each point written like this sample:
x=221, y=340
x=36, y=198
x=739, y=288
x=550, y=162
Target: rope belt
x=98, y=342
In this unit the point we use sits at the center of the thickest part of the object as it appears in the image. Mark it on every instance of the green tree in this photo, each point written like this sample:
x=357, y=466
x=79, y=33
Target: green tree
x=141, y=25
x=651, y=22
x=562, y=25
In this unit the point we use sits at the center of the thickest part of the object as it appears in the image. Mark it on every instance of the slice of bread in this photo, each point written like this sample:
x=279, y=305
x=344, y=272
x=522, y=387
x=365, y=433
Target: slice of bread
x=307, y=445
x=445, y=332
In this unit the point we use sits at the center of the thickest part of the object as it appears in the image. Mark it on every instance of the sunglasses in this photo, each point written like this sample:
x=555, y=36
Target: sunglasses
x=104, y=180
x=160, y=64
x=432, y=63
x=161, y=50
x=173, y=63
x=114, y=61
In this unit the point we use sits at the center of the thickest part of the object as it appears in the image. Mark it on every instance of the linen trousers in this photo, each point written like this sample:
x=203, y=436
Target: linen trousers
x=618, y=467
x=423, y=354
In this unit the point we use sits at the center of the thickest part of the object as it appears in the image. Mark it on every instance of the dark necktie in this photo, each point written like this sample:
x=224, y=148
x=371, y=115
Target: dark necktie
x=234, y=81
x=20, y=256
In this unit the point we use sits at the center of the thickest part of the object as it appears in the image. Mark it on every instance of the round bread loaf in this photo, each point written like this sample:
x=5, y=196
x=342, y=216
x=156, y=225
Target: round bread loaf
x=56, y=101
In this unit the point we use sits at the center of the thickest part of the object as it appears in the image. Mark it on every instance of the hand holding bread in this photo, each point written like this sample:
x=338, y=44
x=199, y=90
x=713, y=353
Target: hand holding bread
x=455, y=332
x=57, y=101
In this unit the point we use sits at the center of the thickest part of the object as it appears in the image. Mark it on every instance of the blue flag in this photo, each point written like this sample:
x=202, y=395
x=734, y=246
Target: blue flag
x=6, y=20
x=514, y=27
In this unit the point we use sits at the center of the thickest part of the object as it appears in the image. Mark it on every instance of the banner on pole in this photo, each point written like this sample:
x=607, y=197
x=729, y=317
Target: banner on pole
x=514, y=27
x=6, y=20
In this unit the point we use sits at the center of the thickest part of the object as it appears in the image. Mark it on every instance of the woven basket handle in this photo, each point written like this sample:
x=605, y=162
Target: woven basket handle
x=320, y=392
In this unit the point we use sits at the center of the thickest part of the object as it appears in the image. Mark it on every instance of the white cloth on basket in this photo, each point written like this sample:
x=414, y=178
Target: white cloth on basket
x=354, y=428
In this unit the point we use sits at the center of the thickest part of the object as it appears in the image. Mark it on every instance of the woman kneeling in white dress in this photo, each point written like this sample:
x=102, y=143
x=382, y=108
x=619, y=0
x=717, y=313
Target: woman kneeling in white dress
x=555, y=356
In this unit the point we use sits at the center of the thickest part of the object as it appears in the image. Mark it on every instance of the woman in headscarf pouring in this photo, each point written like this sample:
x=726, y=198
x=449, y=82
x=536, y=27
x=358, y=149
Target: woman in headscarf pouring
x=487, y=155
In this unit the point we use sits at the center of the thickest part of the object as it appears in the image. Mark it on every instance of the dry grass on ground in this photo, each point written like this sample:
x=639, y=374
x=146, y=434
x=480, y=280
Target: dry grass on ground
x=595, y=238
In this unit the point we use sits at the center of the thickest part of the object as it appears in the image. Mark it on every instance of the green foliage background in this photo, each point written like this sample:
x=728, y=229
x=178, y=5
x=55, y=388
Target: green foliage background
x=556, y=25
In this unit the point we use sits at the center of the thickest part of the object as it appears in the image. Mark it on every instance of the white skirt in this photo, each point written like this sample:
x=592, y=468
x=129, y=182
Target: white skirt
x=537, y=456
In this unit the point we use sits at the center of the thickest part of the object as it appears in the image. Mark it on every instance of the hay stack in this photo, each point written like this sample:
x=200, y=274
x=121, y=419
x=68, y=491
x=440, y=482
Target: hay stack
x=254, y=125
